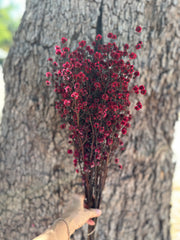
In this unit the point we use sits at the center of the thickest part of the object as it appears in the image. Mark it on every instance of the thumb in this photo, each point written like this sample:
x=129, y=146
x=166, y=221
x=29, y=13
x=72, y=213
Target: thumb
x=93, y=212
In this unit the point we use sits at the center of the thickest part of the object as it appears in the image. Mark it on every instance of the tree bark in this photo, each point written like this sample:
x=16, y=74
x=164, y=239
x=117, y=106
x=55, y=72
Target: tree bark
x=36, y=175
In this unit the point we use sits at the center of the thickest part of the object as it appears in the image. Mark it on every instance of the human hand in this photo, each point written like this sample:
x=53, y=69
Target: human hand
x=77, y=215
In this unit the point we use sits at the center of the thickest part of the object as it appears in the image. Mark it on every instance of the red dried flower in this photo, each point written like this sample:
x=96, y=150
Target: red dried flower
x=66, y=65
x=108, y=123
x=96, y=125
x=82, y=43
x=55, y=64
x=101, y=129
x=91, y=51
x=141, y=87
x=138, y=46
x=135, y=88
x=136, y=74
x=98, y=37
x=97, y=150
x=68, y=89
x=138, y=29
x=93, y=43
x=97, y=85
x=62, y=126
x=126, y=46
x=75, y=162
x=98, y=55
x=143, y=91
x=58, y=51
x=75, y=95
x=63, y=40
x=77, y=85
x=48, y=74
x=67, y=103
x=137, y=108
x=63, y=54
x=109, y=141
x=105, y=97
x=116, y=160
x=114, y=36
x=69, y=151
x=92, y=165
x=88, y=48
x=139, y=104
x=110, y=35
x=121, y=142
x=132, y=55
x=66, y=49
x=48, y=83
x=124, y=131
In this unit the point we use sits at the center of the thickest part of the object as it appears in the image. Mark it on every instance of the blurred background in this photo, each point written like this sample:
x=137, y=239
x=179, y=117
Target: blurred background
x=11, y=12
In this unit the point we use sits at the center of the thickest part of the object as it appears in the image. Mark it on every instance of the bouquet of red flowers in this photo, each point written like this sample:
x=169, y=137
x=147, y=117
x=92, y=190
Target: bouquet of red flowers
x=93, y=85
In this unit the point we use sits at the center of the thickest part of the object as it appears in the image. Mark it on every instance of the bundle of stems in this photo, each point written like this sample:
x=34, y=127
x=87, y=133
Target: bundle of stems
x=93, y=85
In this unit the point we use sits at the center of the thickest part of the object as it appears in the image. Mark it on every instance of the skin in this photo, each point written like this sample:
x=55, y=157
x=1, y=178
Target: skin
x=76, y=215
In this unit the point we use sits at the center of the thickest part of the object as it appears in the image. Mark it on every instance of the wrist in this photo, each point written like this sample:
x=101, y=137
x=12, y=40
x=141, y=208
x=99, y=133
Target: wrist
x=71, y=224
x=61, y=227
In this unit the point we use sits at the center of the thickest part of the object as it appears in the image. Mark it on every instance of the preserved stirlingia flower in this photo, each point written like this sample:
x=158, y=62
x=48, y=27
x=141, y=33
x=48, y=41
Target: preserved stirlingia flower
x=93, y=85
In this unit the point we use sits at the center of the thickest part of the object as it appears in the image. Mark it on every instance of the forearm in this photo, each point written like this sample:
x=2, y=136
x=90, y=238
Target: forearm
x=58, y=231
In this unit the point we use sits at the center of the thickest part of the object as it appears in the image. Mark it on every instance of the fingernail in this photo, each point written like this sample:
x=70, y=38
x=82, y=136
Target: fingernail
x=98, y=211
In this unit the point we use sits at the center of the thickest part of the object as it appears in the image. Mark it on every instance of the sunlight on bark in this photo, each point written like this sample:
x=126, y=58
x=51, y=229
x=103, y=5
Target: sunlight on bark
x=175, y=200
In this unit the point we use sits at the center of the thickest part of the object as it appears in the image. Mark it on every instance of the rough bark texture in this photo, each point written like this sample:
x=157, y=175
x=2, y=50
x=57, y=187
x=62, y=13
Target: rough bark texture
x=36, y=174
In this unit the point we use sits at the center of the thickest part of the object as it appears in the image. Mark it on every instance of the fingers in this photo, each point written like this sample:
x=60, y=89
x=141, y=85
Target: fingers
x=94, y=212
x=91, y=222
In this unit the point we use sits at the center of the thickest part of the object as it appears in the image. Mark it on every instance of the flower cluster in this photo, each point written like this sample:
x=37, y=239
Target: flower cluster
x=93, y=90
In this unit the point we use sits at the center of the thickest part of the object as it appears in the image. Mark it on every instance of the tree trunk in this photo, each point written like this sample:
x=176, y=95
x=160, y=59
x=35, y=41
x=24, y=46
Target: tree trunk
x=36, y=175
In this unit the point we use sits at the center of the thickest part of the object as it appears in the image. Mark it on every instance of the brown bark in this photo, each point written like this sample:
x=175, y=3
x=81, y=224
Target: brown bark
x=36, y=175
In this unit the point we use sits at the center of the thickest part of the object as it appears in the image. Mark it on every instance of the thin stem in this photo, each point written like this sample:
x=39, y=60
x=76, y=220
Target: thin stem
x=92, y=139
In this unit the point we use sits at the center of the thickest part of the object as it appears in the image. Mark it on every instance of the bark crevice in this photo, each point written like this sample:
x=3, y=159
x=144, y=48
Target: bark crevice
x=99, y=26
